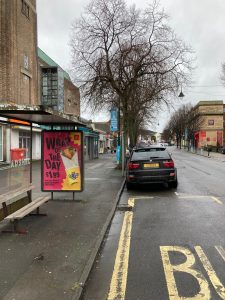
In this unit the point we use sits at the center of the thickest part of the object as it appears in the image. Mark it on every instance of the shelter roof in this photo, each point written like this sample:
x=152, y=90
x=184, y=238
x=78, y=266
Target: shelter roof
x=39, y=114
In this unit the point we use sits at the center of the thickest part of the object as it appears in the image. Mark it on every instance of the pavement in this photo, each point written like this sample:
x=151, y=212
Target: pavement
x=54, y=259
x=211, y=155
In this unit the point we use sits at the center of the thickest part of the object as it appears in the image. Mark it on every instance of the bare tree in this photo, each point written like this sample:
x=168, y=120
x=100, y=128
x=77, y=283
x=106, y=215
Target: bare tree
x=222, y=77
x=128, y=58
x=183, y=124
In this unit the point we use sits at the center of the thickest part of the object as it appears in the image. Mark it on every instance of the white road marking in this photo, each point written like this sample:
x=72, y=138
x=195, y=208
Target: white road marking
x=217, y=200
x=202, y=197
x=221, y=251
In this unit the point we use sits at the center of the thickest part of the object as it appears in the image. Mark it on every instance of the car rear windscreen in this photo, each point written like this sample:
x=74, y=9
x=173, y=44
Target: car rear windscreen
x=142, y=154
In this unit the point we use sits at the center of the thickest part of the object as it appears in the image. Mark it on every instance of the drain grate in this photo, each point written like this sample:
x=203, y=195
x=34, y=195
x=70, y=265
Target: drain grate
x=124, y=207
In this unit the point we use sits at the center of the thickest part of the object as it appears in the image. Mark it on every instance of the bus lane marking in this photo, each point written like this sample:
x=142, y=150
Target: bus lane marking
x=186, y=267
x=189, y=266
x=218, y=286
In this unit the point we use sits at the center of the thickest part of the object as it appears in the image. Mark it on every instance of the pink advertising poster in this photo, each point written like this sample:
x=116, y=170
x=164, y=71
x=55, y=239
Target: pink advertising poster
x=62, y=161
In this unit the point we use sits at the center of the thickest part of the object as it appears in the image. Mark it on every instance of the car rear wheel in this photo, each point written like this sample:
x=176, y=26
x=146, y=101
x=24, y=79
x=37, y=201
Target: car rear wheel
x=173, y=184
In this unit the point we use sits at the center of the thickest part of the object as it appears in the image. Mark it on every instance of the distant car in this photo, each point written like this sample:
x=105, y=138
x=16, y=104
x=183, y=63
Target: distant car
x=222, y=150
x=151, y=165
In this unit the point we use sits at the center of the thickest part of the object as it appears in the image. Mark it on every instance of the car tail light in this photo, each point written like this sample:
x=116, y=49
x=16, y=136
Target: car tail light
x=132, y=166
x=168, y=164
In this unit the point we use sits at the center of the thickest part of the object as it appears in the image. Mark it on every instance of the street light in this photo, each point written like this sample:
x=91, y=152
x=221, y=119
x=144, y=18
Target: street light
x=181, y=95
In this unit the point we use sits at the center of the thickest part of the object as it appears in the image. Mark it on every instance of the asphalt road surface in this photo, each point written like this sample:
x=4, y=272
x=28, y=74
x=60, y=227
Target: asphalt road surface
x=164, y=243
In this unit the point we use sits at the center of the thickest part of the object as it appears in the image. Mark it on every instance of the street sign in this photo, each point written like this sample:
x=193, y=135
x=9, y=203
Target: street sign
x=114, y=120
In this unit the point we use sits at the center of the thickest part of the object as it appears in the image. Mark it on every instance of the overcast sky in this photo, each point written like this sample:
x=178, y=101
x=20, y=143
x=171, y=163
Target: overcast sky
x=200, y=23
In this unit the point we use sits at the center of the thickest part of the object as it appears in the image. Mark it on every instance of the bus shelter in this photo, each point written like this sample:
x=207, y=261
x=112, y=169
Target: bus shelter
x=21, y=142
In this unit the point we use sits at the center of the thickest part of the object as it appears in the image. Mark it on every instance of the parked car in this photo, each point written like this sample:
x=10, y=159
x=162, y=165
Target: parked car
x=222, y=150
x=151, y=165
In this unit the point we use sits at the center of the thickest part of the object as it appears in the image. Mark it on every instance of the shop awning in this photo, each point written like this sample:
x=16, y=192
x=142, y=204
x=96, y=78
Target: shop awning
x=40, y=115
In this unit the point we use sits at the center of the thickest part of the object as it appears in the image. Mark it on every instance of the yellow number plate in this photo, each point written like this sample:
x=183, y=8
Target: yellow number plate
x=151, y=165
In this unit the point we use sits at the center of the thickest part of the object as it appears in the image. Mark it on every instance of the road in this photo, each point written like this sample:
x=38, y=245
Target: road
x=164, y=243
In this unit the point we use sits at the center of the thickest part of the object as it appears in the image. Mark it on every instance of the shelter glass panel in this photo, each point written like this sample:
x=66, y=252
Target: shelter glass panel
x=15, y=163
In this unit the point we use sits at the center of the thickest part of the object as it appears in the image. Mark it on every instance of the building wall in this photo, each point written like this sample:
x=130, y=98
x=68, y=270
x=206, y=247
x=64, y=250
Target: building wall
x=211, y=129
x=224, y=125
x=71, y=98
x=18, y=52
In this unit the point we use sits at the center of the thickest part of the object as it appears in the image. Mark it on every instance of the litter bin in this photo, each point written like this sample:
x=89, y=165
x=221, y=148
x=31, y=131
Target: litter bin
x=17, y=153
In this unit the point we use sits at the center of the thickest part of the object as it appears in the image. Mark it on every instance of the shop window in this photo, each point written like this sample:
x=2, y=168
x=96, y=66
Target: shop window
x=25, y=9
x=24, y=142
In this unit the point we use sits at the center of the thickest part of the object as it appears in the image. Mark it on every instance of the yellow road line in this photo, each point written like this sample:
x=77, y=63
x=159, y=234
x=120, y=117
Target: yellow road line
x=141, y=197
x=119, y=277
x=221, y=251
x=211, y=273
x=217, y=200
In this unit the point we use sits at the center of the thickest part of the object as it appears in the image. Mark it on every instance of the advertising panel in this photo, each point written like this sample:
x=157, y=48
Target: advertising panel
x=114, y=120
x=62, y=161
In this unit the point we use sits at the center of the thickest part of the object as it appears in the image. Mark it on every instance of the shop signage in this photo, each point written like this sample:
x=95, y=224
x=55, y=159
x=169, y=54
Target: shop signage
x=62, y=161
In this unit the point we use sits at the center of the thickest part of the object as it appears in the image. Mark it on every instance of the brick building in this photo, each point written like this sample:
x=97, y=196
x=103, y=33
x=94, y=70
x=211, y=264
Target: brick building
x=18, y=52
x=28, y=76
x=211, y=129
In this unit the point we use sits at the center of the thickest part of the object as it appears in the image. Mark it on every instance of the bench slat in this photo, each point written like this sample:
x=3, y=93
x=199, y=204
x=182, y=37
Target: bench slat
x=25, y=210
x=30, y=209
x=25, y=206
x=12, y=194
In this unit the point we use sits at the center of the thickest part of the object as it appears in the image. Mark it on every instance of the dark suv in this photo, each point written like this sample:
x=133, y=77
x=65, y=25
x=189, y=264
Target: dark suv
x=151, y=165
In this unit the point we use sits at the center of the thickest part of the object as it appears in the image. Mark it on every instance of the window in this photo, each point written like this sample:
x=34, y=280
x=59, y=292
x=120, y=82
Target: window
x=210, y=122
x=25, y=9
x=49, y=87
x=25, y=142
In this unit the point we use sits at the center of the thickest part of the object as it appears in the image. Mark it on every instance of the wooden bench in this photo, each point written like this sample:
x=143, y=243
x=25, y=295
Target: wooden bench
x=24, y=211
x=5, y=198
x=14, y=217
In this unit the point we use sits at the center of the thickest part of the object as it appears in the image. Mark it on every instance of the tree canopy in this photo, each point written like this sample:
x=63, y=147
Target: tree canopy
x=128, y=58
